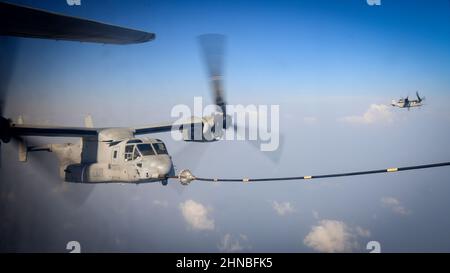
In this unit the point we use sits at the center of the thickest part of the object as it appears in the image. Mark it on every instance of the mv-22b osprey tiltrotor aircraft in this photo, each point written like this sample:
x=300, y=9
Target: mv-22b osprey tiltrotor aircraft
x=408, y=103
x=104, y=155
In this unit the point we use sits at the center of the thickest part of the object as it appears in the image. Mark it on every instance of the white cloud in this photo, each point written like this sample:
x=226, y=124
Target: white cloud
x=229, y=243
x=334, y=236
x=395, y=205
x=330, y=236
x=196, y=215
x=282, y=208
x=377, y=113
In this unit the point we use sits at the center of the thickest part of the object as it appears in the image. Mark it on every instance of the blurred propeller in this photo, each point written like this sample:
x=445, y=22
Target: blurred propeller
x=419, y=98
x=213, y=51
x=75, y=194
x=34, y=150
x=273, y=156
x=8, y=49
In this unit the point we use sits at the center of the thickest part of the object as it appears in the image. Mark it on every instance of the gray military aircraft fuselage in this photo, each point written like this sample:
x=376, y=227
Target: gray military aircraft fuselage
x=102, y=159
x=111, y=155
x=407, y=103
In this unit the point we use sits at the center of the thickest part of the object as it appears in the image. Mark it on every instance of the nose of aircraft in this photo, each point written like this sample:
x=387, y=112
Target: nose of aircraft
x=164, y=165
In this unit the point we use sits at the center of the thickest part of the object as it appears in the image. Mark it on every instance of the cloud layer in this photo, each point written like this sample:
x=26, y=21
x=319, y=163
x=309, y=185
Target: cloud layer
x=395, y=205
x=377, y=113
x=196, y=215
x=282, y=208
x=334, y=236
x=229, y=243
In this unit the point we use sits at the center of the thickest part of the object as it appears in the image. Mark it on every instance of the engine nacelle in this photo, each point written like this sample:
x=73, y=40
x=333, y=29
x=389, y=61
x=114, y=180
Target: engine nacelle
x=208, y=129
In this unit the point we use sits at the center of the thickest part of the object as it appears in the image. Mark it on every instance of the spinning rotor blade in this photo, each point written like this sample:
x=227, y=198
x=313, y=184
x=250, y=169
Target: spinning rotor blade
x=6, y=62
x=8, y=48
x=73, y=193
x=23, y=145
x=419, y=98
x=273, y=156
x=213, y=49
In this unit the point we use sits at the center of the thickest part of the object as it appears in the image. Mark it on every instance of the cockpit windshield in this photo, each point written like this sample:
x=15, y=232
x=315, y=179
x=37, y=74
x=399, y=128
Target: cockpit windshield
x=160, y=148
x=145, y=149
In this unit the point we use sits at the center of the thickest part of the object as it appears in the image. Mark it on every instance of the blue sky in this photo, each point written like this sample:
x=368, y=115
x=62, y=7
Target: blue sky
x=332, y=66
x=288, y=47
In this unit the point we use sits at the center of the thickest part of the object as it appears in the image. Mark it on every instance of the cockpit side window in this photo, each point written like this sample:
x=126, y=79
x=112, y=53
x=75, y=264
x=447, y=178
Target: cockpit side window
x=160, y=148
x=129, y=152
x=136, y=153
x=146, y=149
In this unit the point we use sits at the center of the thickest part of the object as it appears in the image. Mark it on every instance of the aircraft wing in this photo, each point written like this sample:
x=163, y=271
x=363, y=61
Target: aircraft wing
x=21, y=21
x=167, y=127
x=52, y=131
x=63, y=131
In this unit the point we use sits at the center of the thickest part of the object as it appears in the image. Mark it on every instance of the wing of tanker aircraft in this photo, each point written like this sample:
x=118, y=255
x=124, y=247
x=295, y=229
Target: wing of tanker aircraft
x=22, y=21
